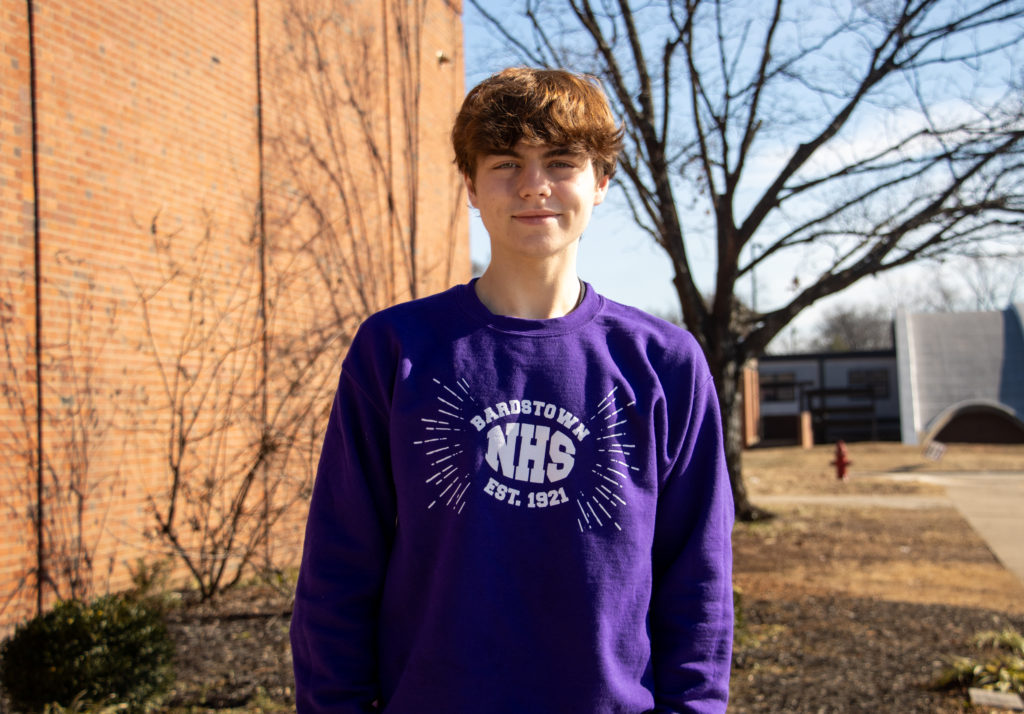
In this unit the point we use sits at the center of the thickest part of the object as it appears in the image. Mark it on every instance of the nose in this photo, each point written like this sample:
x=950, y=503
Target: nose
x=533, y=181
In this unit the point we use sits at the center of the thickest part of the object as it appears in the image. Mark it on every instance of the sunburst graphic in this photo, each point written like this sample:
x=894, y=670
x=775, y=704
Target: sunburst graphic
x=445, y=443
x=455, y=427
x=611, y=470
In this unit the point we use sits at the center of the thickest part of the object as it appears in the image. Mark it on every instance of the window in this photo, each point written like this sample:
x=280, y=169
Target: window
x=778, y=387
x=875, y=379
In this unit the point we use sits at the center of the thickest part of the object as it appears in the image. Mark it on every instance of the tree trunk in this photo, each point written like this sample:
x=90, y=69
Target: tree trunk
x=728, y=378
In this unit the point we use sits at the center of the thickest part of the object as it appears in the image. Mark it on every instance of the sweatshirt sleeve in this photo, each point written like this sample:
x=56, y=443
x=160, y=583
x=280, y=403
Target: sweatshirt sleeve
x=349, y=534
x=691, y=616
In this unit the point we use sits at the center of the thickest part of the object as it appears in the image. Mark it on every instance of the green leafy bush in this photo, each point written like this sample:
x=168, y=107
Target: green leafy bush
x=114, y=649
x=1002, y=671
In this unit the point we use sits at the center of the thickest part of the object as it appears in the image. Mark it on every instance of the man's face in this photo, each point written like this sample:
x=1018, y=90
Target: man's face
x=536, y=200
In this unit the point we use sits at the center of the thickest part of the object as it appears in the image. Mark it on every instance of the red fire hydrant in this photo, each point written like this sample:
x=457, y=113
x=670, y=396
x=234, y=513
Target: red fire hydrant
x=842, y=460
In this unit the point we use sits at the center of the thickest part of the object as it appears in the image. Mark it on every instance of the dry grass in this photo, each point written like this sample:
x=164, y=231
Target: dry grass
x=852, y=603
x=898, y=552
x=925, y=556
x=792, y=470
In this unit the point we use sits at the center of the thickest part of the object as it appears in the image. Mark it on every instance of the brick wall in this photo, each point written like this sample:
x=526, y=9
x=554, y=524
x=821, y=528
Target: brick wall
x=17, y=320
x=189, y=341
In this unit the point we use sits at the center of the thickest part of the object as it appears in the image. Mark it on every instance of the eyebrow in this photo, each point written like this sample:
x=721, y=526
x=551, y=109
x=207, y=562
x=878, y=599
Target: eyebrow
x=556, y=151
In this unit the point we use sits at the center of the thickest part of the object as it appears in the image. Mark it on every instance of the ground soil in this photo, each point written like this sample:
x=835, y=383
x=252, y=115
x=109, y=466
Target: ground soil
x=845, y=607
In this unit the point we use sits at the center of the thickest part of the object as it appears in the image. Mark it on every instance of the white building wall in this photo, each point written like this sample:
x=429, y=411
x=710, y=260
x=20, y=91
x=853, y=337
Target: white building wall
x=958, y=357
x=910, y=426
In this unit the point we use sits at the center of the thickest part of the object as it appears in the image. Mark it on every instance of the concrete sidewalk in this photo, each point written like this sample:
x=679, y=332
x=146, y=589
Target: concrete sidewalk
x=992, y=503
x=994, y=506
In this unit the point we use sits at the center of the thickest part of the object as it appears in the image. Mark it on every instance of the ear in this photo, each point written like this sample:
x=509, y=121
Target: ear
x=601, y=190
x=470, y=191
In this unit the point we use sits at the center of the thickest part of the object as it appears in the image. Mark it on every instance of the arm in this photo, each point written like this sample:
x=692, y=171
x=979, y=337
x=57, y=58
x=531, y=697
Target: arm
x=691, y=617
x=348, y=542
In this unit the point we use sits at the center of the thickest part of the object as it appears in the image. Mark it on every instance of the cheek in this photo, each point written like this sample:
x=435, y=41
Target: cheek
x=588, y=193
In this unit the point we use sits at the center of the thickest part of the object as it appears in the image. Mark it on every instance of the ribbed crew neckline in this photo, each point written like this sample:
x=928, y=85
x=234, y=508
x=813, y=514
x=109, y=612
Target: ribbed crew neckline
x=582, y=315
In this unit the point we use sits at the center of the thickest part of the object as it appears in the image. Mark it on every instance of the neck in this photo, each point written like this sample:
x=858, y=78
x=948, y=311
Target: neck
x=532, y=296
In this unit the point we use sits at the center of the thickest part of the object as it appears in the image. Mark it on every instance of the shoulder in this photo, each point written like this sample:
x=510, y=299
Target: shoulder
x=385, y=336
x=385, y=341
x=415, y=314
x=665, y=345
x=632, y=319
x=408, y=324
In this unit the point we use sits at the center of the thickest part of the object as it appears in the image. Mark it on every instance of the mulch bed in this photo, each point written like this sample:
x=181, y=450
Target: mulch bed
x=233, y=652
x=843, y=610
x=804, y=654
x=840, y=654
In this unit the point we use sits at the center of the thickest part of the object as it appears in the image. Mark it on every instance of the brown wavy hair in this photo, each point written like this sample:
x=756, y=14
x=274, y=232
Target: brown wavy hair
x=538, y=106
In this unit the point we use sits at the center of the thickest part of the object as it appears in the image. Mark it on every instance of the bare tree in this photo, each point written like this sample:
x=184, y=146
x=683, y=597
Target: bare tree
x=65, y=497
x=994, y=282
x=80, y=418
x=345, y=202
x=18, y=443
x=846, y=139
x=344, y=142
x=252, y=362
x=229, y=476
x=974, y=282
x=854, y=327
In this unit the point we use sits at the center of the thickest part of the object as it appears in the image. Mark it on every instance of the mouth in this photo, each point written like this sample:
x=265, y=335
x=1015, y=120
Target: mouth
x=534, y=216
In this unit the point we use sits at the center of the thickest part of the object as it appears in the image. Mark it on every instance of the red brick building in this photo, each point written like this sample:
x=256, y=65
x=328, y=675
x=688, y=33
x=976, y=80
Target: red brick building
x=198, y=204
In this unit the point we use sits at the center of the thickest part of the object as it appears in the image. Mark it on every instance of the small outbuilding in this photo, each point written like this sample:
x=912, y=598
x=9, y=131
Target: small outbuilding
x=961, y=376
x=827, y=396
x=951, y=377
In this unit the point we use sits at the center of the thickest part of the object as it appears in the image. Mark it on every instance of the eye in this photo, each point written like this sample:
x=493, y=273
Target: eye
x=563, y=163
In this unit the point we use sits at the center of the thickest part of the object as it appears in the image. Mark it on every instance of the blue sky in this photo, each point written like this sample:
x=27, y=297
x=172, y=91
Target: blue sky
x=624, y=263
x=616, y=257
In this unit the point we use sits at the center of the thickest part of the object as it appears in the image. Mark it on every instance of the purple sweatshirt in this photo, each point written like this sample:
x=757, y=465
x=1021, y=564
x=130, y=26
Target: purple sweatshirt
x=518, y=516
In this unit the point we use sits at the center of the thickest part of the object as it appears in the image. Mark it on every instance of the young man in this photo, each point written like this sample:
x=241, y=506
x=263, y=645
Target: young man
x=522, y=505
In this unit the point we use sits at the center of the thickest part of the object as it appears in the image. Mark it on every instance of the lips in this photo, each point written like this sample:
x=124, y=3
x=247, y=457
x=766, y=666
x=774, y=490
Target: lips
x=534, y=216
